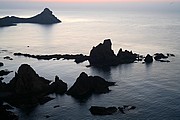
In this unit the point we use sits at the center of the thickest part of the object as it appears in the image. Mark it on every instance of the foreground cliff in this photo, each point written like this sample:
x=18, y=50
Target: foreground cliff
x=45, y=17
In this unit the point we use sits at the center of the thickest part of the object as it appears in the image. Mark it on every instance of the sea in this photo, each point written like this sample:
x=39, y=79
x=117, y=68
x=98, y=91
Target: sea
x=144, y=28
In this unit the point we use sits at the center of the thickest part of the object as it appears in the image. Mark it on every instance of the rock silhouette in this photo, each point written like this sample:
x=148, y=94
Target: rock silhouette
x=58, y=86
x=86, y=85
x=103, y=55
x=4, y=72
x=148, y=59
x=78, y=58
x=45, y=17
x=1, y=64
x=27, y=88
x=97, y=110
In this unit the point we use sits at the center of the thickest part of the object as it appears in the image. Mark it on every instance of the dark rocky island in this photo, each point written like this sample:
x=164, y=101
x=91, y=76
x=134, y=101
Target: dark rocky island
x=103, y=55
x=27, y=88
x=45, y=17
x=86, y=85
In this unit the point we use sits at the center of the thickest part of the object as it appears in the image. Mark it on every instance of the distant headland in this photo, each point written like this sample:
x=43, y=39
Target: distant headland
x=45, y=17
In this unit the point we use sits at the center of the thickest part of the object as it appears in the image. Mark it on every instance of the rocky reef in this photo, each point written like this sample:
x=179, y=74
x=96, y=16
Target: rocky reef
x=45, y=17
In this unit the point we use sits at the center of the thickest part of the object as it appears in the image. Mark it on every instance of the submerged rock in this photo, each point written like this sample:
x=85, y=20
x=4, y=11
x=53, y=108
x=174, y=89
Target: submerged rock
x=148, y=59
x=86, y=85
x=97, y=110
x=45, y=17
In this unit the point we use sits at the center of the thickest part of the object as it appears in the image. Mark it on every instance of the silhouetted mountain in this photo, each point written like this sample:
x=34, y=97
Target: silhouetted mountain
x=45, y=17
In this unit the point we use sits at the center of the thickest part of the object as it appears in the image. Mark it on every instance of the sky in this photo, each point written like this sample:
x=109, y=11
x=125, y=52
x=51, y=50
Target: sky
x=91, y=0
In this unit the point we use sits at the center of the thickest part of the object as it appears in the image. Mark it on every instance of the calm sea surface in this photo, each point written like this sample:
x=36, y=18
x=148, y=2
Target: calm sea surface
x=154, y=89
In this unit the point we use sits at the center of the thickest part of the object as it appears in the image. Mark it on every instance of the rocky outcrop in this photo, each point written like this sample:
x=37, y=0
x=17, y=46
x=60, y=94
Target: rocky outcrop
x=103, y=55
x=45, y=17
x=4, y=72
x=126, y=56
x=97, y=110
x=58, y=87
x=27, y=81
x=148, y=59
x=28, y=89
x=1, y=64
x=86, y=85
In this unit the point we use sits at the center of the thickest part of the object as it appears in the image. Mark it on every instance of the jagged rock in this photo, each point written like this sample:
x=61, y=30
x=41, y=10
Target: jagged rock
x=45, y=17
x=4, y=72
x=58, y=86
x=126, y=56
x=1, y=64
x=86, y=85
x=148, y=59
x=27, y=81
x=96, y=110
x=103, y=55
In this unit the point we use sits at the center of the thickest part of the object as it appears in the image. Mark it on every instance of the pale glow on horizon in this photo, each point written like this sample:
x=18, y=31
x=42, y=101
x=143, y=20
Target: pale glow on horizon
x=91, y=1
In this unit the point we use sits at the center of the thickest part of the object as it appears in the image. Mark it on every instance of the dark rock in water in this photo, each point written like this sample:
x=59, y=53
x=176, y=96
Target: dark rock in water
x=148, y=59
x=8, y=58
x=45, y=17
x=56, y=106
x=78, y=57
x=27, y=88
x=1, y=64
x=7, y=115
x=96, y=110
x=159, y=56
x=170, y=55
x=121, y=109
x=4, y=72
x=58, y=86
x=103, y=55
x=27, y=81
x=126, y=56
x=86, y=85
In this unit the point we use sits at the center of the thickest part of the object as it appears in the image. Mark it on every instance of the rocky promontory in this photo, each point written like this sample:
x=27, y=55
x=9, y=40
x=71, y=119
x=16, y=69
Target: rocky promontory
x=45, y=17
